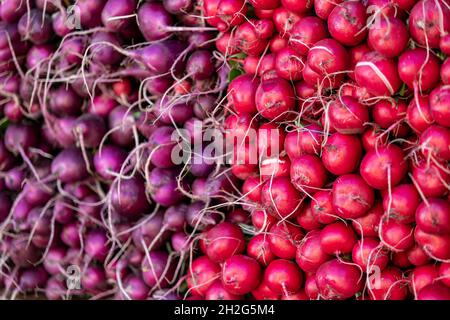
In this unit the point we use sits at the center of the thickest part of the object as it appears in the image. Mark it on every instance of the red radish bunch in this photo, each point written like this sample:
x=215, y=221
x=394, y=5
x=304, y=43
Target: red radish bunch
x=353, y=97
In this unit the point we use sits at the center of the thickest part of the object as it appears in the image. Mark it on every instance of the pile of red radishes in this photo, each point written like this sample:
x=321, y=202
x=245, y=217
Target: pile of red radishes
x=345, y=105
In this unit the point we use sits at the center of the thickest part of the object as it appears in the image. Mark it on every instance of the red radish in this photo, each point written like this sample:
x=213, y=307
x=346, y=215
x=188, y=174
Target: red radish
x=157, y=269
x=297, y=6
x=217, y=291
x=274, y=167
x=337, y=238
x=306, y=219
x=342, y=153
x=311, y=289
x=306, y=32
x=300, y=295
x=401, y=203
x=373, y=137
x=347, y=115
x=289, y=64
x=322, y=207
x=247, y=39
x=283, y=239
x=310, y=255
x=435, y=141
x=444, y=273
x=435, y=291
x=308, y=173
x=445, y=72
x=240, y=274
x=252, y=188
x=389, y=36
x=430, y=179
x=265, y=4
x=338, y=280
x=439, y=101
x=258, y=248
x=231, y=13
x=307, y=140
x=275, y=99
x=417, y=67
x=396, y=236
x=417, y=256
x=422, y=277
x=430, y=14
x=262, y=221
x=378, y=74
x=270, y=140
x=280, y=197
x=386, y=113
x=242, y=93
x=369, y=253
x=384, y=167
x=388, y=286
x=352, y=197
x=433, y=216
x=327, y=56
x=356, y=54
x=436, y=246
x=223, y=241
x=347, y=22
x=283, y=277
x=323, y=8
x=226, y=44
x=201, y=274
x=266, y=68
x=284, y=20
x=277, y=43
x=263, y=292
x=418, y=114
x=444, y=44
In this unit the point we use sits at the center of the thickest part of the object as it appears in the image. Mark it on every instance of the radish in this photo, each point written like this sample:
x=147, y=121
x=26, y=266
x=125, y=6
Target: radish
x=275, y=99
x=308, y=173
x=242, y=93
x=240, y=274
x=310, y=254
x=417, y=67
x=341, y=153
x=323, y=8
x=336, y=238
x=223, y=241
x=439, y=99
x=258, y=248
x=433, y=216
x=283, y=277
x=352, y=197
x=430, y=14
x=284, y=239
x=306, y=32
x=444, y=271
x=434, y=142
x=306, y=219
x=401, y=203
x=369, y=253
x=384, y=167
x=322, y=207
x=338, y=280
x=201, y=275
x=289, y=64
x=378, y=74
x=280, y=197
x=389, y=37
x=418, y=114
x=389, y=286
x=434, y=291
x=347, y=115
x=217, y=291
x=347, y=22
x=304, y=140
x=396, y=236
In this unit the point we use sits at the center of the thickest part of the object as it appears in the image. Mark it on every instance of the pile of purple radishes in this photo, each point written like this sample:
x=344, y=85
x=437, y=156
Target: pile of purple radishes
x=225, y=149
x=91, y=203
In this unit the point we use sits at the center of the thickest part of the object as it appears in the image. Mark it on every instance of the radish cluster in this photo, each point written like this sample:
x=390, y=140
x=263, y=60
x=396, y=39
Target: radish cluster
x=90, y=191
x=347, y=105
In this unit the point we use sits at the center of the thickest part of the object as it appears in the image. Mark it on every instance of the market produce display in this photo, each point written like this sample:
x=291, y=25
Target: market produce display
x=225, y=149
